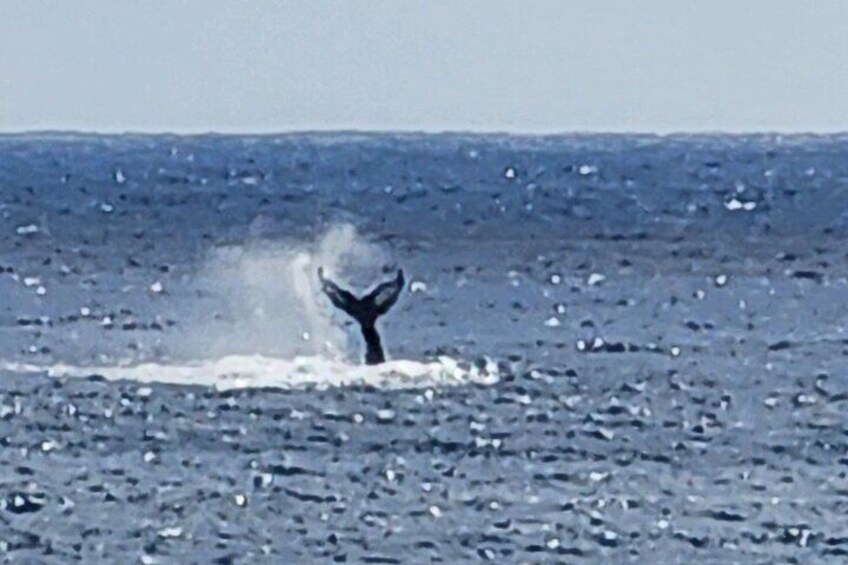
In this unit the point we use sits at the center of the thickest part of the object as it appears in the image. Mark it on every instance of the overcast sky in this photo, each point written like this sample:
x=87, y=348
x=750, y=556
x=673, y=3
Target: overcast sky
x=487, y=65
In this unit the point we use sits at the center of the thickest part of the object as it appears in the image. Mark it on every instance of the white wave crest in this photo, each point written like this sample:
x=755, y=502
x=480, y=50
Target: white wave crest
x=256, y=371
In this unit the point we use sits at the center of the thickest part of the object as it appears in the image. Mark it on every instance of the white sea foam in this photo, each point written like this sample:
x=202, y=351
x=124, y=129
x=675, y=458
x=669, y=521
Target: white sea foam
x=256, y=371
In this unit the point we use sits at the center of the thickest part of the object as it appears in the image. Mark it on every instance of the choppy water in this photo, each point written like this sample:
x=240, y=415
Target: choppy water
x=664, y=317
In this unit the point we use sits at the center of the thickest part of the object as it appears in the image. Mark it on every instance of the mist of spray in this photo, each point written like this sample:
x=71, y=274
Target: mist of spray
x=265, y=298
x=257, y=318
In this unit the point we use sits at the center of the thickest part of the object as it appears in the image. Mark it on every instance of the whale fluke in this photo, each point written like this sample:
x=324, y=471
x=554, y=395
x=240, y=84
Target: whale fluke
x=366, y=310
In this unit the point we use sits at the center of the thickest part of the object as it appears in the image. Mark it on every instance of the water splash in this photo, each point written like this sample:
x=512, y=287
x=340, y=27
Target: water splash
x=256, y=371
x=265, y=299
x=262, y=322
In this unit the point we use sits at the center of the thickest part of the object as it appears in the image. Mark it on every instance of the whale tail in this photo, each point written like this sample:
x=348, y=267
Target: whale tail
x=366, y=309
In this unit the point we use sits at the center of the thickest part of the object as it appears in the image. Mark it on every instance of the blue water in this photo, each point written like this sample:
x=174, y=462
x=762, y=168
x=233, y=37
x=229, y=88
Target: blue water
x=457, y=185
x=666, y=314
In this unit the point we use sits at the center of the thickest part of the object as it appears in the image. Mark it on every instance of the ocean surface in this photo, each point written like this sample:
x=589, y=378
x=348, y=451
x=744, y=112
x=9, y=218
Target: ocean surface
x=612, y=348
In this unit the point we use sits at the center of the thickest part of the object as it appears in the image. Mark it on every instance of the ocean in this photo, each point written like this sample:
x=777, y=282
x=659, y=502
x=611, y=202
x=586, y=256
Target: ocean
x=611, y=348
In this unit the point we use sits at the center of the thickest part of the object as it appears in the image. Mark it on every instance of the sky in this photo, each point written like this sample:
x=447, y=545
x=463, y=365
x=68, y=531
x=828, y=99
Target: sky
x=531, y=66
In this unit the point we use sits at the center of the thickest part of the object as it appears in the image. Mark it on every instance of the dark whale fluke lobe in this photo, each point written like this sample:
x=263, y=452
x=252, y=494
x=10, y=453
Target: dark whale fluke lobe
x=366, y=310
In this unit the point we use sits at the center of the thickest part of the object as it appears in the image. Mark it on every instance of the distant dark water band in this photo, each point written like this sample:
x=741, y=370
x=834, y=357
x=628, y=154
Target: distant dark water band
x=501, y=186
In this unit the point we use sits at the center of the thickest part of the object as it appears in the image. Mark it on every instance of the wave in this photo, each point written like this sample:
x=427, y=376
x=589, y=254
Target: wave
x=257, y=371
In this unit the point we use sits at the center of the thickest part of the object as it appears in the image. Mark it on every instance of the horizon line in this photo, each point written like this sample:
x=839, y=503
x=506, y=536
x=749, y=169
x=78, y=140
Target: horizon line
x=193, y=132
